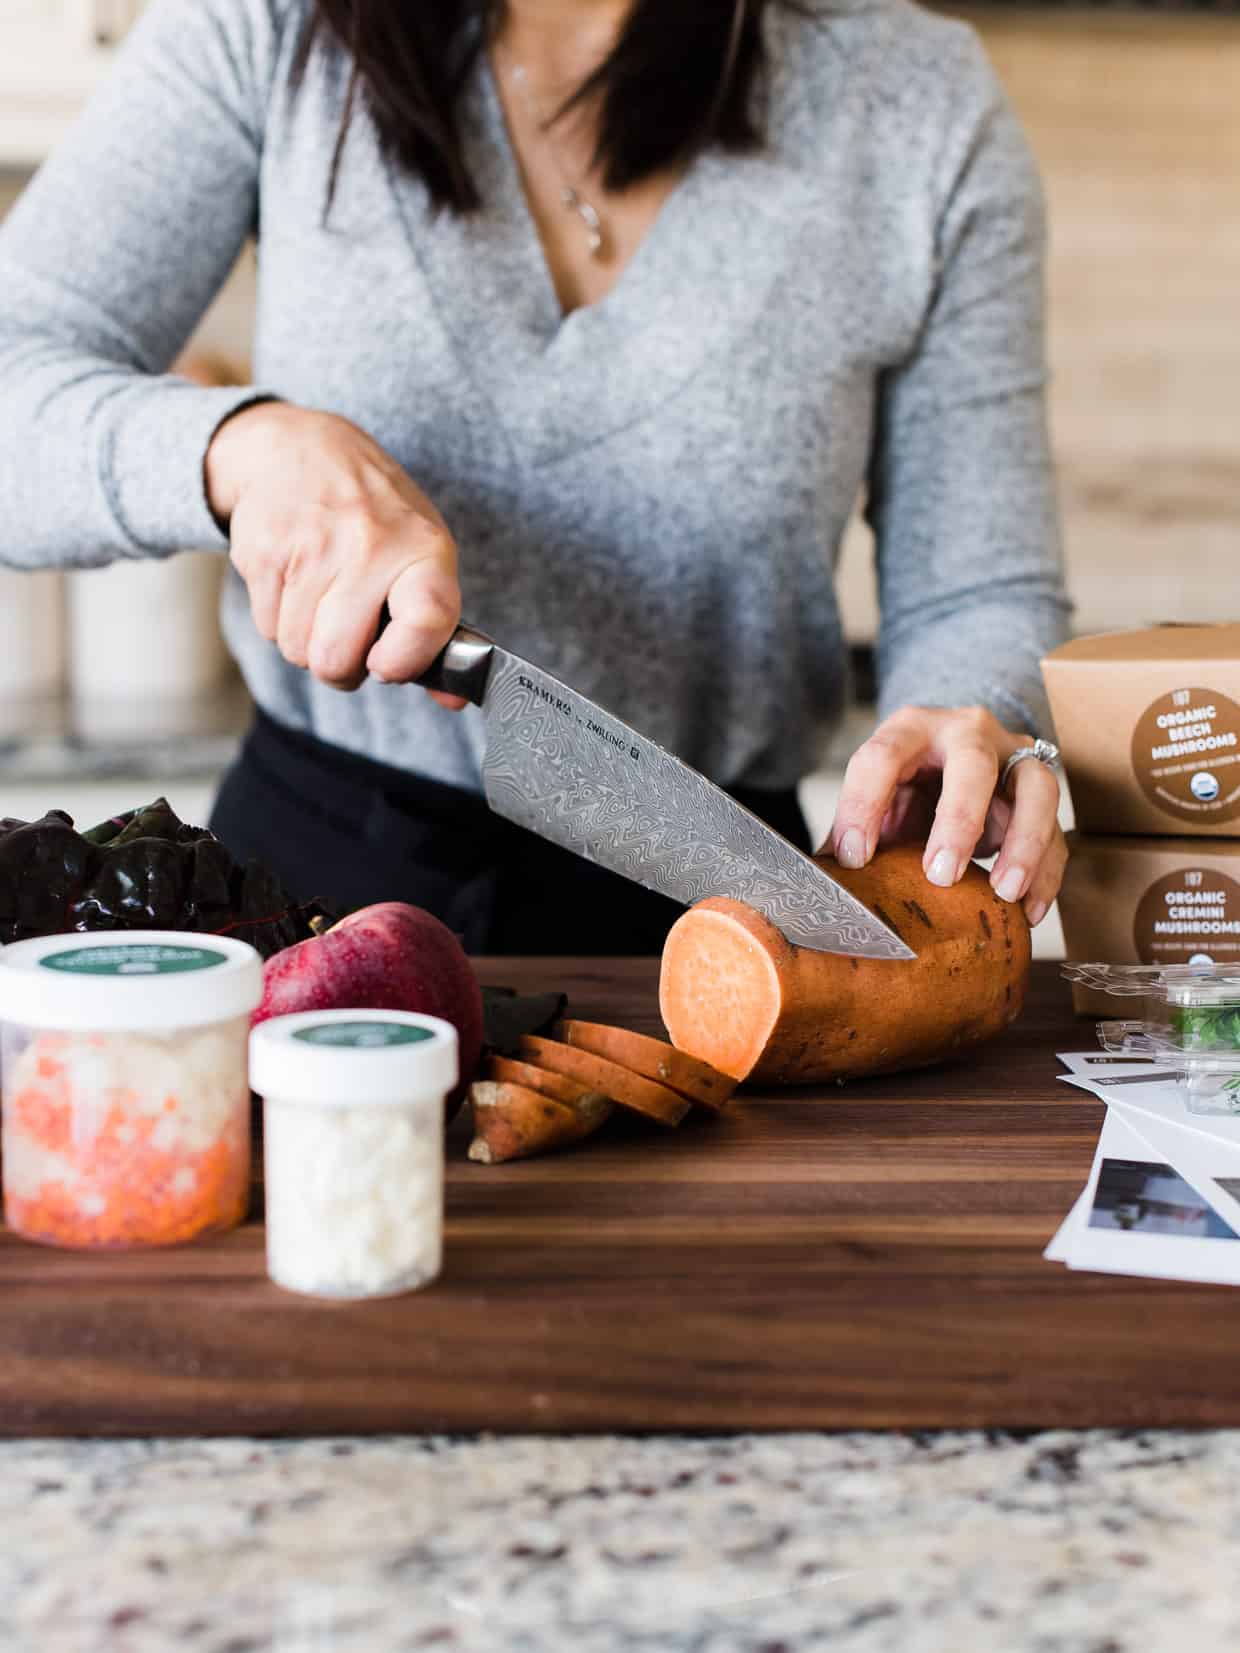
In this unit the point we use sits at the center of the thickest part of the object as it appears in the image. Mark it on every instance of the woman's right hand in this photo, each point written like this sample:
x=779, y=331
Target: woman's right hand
x=325, y=527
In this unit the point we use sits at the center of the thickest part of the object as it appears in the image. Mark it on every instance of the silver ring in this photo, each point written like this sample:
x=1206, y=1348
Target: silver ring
x=1045, y=751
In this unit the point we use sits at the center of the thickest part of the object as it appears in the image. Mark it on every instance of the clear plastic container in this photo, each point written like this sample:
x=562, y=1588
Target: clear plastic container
x=124, y=1089
x=1189, y=1020
x=353, y=1124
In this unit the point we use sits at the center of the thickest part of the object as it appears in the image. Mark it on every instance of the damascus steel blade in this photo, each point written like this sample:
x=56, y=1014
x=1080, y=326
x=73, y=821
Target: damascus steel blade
x=559, y=765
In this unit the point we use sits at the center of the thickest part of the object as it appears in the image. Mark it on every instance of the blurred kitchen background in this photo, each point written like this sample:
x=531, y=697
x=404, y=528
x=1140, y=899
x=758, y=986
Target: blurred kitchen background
x=114, y=684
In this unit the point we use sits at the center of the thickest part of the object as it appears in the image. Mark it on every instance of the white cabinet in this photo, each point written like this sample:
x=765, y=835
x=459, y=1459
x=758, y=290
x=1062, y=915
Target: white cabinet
x=52, y=55
x=32, y=654
x=148, y=658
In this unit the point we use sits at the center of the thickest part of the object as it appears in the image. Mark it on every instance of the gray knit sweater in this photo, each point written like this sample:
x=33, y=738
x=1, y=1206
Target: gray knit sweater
x=649, y=494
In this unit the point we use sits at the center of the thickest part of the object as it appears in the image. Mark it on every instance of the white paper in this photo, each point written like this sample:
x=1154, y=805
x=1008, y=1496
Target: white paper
x=1061, y=1243
x=1100, y=1065
x=1060, y=1246
x=1210, y=1162
x=1163, y=1098
x=1081, y=1060
x=1166, y=1228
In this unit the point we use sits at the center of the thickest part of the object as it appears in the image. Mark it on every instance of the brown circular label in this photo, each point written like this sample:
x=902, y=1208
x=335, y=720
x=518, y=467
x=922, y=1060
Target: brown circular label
x=1186, y=755
x=1189, y=917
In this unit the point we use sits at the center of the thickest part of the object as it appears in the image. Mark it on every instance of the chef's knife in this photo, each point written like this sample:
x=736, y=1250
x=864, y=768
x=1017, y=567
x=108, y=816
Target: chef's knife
x=571, y=772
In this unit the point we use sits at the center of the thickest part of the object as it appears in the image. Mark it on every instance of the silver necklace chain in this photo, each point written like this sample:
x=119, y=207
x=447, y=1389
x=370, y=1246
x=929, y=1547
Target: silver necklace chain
x=571, y=196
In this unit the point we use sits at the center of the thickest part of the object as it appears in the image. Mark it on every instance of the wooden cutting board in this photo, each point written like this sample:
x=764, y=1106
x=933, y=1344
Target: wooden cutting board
x=865, y=1256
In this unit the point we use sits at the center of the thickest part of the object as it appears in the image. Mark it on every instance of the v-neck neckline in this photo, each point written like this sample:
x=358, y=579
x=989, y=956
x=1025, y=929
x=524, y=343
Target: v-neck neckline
x=556, y=381
x=515, y=192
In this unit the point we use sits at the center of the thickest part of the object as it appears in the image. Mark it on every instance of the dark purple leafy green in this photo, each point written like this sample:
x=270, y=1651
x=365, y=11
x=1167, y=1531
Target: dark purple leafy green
x=509, y=1016
x=147, y=870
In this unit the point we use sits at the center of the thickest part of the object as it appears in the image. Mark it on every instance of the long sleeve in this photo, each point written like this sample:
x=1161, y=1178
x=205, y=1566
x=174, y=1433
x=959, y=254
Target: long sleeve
x=107, y=262
x=961, y=492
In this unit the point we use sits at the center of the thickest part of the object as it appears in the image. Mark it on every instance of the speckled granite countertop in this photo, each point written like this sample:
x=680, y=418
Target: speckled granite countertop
x=1057, y=1543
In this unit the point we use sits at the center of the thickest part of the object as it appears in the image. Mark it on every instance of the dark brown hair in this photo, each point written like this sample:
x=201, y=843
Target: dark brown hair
x=681, y=77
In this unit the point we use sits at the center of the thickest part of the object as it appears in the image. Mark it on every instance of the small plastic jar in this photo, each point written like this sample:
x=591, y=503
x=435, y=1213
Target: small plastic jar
x=125, y=1094
x=353, y=1124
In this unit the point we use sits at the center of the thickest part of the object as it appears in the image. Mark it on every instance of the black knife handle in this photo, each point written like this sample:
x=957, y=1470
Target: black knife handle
x=461, y=667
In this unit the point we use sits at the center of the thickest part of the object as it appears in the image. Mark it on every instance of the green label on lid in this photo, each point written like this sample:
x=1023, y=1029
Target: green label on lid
x=363, y=1035
x=133, y=959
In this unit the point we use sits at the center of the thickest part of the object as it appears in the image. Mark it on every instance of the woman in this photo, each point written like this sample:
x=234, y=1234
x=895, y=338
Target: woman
x=601, y=313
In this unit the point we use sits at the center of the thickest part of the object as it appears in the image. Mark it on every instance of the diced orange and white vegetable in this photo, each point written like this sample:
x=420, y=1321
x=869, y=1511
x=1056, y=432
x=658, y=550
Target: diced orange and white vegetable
x=124, y=1139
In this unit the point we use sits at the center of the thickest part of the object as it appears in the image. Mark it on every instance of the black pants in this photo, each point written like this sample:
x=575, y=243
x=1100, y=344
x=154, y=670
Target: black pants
x=349, y=832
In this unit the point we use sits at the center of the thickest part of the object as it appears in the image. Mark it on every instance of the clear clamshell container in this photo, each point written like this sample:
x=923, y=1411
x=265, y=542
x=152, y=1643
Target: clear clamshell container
x=124, y=1084
x=1188, y=1020
x=353, y=1151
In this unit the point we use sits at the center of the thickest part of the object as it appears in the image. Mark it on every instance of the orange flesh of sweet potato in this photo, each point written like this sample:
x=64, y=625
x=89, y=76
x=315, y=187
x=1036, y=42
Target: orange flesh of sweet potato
x=651, y=1058
x=631, y=1090
x=735, y=993
x=512, y=1122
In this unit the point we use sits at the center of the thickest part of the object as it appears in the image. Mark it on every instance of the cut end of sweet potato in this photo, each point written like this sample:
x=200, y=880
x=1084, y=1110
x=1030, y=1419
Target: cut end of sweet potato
x=719, y=986
x=513, y=1122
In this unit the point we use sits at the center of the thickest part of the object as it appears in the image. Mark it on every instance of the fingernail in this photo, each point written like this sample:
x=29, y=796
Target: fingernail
x=1036, y=911
x=944, y=869
x=851, y=851
x=1011, y=886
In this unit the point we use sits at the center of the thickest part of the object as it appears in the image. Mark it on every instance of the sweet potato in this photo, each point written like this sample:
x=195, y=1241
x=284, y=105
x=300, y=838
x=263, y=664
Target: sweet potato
x=735, y=993
x=512, y=1122
x=644, y=1096
x=651, y=1058
x=558, y=1086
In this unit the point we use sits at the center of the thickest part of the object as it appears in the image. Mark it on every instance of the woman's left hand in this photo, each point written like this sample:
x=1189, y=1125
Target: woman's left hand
x=932, y=774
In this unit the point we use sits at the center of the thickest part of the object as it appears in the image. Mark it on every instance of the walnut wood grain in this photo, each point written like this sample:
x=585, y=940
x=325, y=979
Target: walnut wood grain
x=859, y=1257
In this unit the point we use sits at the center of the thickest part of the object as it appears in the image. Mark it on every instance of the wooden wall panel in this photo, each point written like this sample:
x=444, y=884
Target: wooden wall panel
x=1136, y=123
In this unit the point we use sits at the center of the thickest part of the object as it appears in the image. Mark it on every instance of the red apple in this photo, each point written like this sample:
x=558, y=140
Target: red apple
x=387, y=957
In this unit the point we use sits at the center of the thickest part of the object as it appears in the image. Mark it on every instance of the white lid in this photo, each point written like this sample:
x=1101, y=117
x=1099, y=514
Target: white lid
x=343, y=1057
x=128, y=981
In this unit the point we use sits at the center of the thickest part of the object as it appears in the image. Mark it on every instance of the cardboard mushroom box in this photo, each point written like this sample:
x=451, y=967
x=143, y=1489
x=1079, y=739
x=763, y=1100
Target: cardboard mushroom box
x=1149, y=725
x=1149, y=901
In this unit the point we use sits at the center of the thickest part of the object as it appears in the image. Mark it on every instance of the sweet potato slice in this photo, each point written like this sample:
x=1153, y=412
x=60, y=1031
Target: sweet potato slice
x=643, y=1096
x=652, y=1058
x=558, y=1086
x=513, y=1122
x=735, y=993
